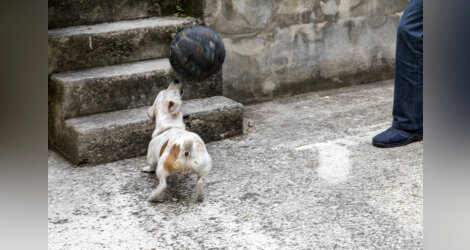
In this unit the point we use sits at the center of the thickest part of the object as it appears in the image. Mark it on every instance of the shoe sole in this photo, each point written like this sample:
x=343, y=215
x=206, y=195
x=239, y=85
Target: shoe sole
x=392, y=145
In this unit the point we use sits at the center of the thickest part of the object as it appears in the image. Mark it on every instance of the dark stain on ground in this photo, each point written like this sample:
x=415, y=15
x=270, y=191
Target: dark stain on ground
x=61, y=221
x=248, y=196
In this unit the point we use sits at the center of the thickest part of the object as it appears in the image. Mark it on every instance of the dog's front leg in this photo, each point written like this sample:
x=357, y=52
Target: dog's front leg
x=152, y=160
x=149, y=169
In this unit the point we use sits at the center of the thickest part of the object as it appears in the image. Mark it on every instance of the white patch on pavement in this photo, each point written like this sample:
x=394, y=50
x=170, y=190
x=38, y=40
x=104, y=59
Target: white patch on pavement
x=334, y=156
x=334, y=162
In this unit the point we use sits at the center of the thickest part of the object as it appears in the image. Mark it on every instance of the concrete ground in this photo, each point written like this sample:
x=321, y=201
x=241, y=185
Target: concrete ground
x=305, y=175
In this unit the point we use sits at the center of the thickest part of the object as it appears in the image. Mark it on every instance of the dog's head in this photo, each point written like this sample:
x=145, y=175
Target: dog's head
x=167, y=105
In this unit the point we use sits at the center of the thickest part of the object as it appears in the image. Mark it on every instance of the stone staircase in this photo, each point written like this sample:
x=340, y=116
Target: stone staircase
x=106, y=72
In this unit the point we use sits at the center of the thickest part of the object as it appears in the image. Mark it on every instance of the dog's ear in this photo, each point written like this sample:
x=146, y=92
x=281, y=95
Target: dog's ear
x=151, y=113
x=173, y=107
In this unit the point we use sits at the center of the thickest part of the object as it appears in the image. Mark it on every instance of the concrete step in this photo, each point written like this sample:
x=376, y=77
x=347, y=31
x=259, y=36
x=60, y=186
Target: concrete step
x=65, y=13
x=102, y=89
x=122, y=134
x=120, y=42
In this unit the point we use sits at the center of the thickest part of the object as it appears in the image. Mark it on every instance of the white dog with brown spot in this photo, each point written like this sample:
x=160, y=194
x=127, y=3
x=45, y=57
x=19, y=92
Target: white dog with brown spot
x=173, y=149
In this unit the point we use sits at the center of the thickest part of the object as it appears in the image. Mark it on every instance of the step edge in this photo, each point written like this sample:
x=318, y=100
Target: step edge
x=62, y=32
x=70, y=122
x=67, y=76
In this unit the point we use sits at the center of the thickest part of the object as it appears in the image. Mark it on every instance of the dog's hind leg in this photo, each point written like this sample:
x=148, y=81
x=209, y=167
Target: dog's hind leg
x=202, y=175
x=161, y=174
x=199, y=190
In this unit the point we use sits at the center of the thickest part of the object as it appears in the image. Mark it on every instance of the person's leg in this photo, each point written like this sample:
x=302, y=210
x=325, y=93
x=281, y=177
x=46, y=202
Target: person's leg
x=408, y=97
x=407, y=123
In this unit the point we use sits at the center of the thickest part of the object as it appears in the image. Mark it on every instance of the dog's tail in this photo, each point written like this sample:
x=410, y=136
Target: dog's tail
x=187, y=147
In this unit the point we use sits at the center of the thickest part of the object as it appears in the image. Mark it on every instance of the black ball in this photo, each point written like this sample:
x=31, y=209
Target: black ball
x=197, y=53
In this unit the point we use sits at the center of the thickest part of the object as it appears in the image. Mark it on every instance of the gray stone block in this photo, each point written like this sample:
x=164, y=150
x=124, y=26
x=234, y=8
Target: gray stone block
x=64, y=13
x=117, y=87
x=122, y=134
x=112, y=43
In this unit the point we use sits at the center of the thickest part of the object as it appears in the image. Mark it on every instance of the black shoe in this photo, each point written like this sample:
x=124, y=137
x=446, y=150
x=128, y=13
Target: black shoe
x=393, y=137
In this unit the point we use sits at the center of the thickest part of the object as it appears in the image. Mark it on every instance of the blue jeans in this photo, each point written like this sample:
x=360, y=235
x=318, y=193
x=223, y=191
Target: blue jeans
x=408, y=96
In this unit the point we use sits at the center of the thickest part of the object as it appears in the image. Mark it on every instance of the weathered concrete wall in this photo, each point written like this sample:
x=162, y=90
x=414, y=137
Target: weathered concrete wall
x=285, y=47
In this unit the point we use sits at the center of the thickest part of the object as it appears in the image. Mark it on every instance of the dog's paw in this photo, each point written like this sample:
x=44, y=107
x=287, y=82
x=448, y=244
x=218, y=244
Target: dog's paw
x=199, y=198
x=152, y=199
x=154, y=196
x=148, y=169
